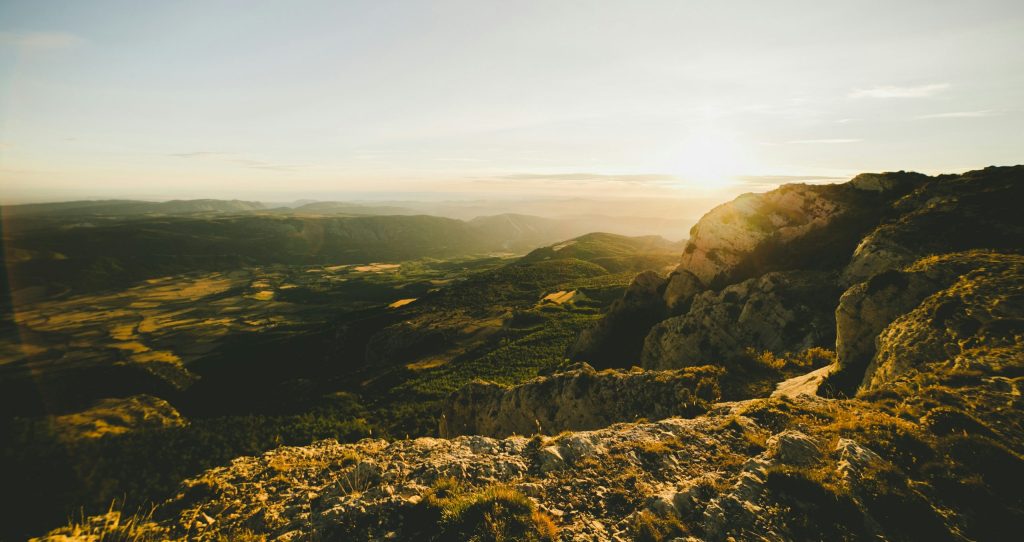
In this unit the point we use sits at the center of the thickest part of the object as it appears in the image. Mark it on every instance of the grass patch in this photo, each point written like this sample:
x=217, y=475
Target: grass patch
x=495, y=513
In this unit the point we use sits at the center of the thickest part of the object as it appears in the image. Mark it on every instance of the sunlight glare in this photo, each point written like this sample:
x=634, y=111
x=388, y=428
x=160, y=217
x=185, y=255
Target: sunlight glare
x=712, y=160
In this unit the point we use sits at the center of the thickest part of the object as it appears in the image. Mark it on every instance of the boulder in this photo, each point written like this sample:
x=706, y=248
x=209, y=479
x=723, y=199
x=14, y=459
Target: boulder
x=682, y=287
x=980, y=313
x=793, y=448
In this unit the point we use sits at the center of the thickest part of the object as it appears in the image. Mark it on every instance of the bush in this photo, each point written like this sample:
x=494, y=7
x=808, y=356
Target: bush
x=496, y=513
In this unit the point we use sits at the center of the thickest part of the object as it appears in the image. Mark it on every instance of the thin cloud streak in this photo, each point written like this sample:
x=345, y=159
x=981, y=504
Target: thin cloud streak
x=959, y=115
x=890, y=91
x=771, y=179
x=239, y=160
x=642, y=178
x=836, y=141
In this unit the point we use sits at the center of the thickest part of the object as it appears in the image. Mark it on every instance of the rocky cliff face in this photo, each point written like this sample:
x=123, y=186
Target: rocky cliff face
x=949, y=307
x=734, y=290
x=979, y=209
x=779, y=312
x=756, y=233
x=576, y=399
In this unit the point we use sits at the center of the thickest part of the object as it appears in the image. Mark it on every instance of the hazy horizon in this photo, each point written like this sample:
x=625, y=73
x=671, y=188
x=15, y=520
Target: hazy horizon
x=474, y=100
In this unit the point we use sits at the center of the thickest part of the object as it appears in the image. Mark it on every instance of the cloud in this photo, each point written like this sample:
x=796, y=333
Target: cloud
x=259, y=164
x=919, y=91
x=40, y=41
x=835, y=141
x=199, y=154
x=642, y=178
x=237, y=159
x=777, y=179
x=958, y=115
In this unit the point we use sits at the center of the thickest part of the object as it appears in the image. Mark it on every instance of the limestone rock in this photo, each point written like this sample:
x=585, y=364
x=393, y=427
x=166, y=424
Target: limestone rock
x=901, y=182
x=577, y=398
x=780, y=312
x=791, y=227
x=864, y=311
x=794, y=448
x=854, y=458
x=682, y=287
x=952, y=213
x=981, y=311
x=936, y=310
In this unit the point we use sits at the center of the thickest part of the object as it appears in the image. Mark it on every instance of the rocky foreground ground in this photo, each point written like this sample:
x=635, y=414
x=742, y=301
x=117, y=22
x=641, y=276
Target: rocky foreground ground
x=914, y=432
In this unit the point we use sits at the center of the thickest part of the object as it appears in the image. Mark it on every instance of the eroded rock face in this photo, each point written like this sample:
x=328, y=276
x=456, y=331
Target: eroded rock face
x=864, y=311
x=952, y=213
x=578, y=398
x=618, y=337
x=779, y=312
x=756, y=233
x=682, y=287
x=980, y=313
x=935, y=310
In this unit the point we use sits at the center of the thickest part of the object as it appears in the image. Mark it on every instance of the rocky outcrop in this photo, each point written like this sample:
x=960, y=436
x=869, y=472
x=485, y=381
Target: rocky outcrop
x=682, y=287
x=951, y=213
x=576, y=399
x=780, y=469
x=933, y=311
x=871, y=225
x=779, y=312
x=979, y=313
x=618, y=337
x=864, y=311
x=792, y=227
x=795, y=227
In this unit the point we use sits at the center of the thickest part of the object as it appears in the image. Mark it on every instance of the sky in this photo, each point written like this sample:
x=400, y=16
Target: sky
x=482, y=99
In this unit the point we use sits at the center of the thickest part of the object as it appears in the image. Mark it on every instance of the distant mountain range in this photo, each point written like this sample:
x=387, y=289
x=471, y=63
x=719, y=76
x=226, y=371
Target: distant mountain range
x=628, y=218
x=95, y=245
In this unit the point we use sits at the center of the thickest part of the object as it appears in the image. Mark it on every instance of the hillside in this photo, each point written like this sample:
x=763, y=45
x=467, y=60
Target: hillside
x=122, y=208
x=126, y=392
x=86, y=256
x=824, y=362
x=616, y=253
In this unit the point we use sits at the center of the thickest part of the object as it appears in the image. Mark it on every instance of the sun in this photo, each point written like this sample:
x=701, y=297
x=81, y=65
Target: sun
x=712, y=160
